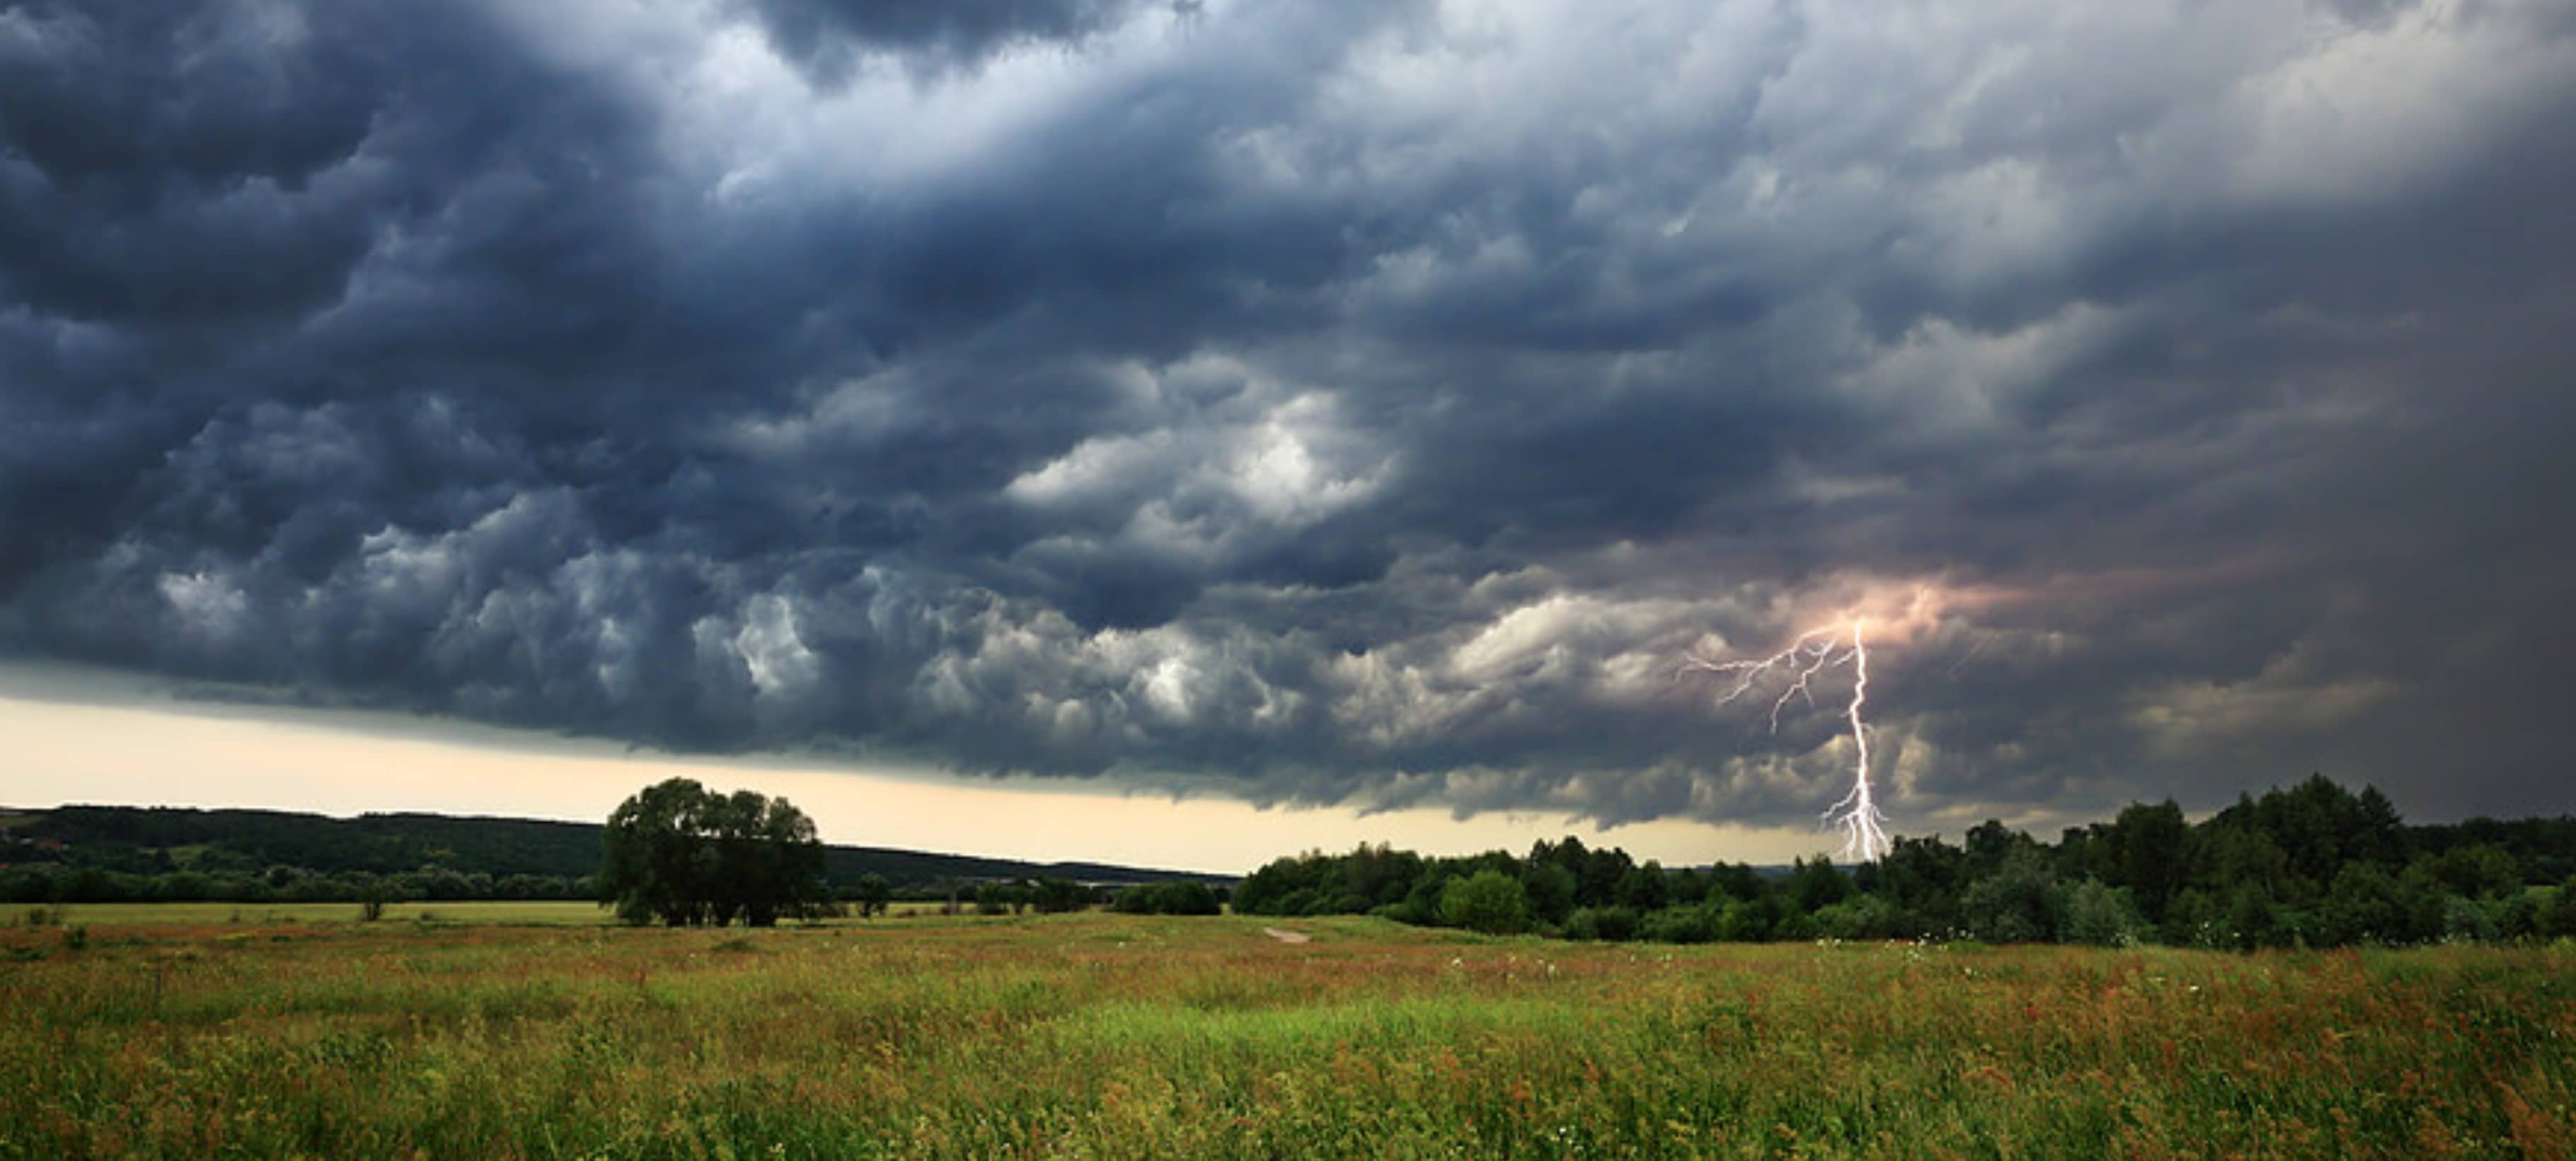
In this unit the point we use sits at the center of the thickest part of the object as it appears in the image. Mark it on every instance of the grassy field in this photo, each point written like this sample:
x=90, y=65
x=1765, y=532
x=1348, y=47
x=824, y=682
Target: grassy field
x=1111, y=1036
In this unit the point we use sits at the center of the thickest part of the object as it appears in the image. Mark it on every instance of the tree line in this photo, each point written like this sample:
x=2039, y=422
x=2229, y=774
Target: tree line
x=2311, y=865
x=142, y=854
x=63, y=883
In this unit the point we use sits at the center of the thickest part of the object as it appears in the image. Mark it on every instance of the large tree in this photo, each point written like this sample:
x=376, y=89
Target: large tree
x=681, y=854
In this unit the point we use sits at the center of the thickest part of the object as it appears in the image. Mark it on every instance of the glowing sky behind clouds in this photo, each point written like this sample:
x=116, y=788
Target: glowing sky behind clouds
x=1357, y=406
x=132, y=750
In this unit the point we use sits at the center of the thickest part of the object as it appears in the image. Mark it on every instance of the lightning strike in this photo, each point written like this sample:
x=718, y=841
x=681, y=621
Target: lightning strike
x=1856, y=814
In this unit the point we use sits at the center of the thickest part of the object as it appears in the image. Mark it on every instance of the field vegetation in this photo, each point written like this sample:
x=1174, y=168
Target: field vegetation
x=1105, y=1035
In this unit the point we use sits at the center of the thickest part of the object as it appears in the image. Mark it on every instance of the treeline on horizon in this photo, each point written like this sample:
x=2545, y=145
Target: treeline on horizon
x=2314, y=865
x=120, y=854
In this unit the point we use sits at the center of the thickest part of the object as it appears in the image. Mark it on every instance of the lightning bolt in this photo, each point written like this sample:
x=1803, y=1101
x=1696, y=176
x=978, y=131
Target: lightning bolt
x=1864, y=828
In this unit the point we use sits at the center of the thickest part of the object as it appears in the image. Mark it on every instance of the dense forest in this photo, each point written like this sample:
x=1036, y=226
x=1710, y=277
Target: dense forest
x=2313, y=865
x=103, y=854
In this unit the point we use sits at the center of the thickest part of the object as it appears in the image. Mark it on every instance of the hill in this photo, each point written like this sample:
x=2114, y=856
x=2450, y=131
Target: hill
x=166, y=840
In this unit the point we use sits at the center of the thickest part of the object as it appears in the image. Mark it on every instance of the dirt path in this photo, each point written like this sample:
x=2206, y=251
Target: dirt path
x=1283, y=935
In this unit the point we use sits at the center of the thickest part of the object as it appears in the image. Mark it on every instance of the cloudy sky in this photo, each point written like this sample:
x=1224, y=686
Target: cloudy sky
x=1355, y=410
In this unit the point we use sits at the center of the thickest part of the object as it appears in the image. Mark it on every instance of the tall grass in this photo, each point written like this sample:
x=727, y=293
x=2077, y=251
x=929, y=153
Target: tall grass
x=1113, y=1036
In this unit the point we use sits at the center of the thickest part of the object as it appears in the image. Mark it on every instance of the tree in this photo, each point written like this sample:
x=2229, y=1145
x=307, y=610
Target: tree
x=1178, y=898
x=1487, y=901
x=1056, y=896
x=872, y=894
x=2149, y=843
x=2477, y=870
x=679, y=854
x=2103, y=915
x=1551, y=891
x=2021, y=902
x=2557, y=918
x=1645, y=888
x=1816, y=884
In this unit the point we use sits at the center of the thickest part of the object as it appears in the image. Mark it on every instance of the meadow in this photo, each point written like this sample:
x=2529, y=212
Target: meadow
x=181, y=1035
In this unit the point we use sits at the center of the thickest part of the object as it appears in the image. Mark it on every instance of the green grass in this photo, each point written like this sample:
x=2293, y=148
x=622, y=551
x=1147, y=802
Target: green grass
x=1114, y=1036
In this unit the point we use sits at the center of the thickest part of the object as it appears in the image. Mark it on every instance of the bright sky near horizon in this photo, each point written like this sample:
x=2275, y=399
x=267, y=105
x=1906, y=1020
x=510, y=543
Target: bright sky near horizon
x=135, y=752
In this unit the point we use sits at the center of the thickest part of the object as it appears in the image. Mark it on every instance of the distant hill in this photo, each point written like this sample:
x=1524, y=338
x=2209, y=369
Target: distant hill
x=160, y=840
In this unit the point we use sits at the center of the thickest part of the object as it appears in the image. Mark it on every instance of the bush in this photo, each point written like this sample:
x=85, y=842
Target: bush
x=2254, y=920
x=1168, y=899
x=2516, y=916
x=1487, y=901
x=1678, y=925
x=1748, y=920
x=2465, y=920
x=2556, y=916
x=2103, y=916
x=2020, y=903
x=1863, y=917
x=1404, y=912
x=1610, y=924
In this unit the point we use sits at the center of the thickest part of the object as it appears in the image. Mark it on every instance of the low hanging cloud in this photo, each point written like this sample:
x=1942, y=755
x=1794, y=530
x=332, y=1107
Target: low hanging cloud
x=1343, y=403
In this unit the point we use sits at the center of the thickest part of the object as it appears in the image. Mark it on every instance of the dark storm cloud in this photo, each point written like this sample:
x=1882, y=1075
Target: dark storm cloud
x=1362, y=403
x=830, y=38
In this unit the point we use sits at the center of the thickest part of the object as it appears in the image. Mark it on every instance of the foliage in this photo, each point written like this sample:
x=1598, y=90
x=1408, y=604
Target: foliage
x=872, y=892
x=2310, y=865
x=1487, y=901
x=113, y=854
x=2556, y=918
x=1184, y=898
x=2103, y=916
x=2020, y=902
x=1678, y=925
x=682, y=855
x=1057, y=896
x=1606, y=923
x=1121, y=1036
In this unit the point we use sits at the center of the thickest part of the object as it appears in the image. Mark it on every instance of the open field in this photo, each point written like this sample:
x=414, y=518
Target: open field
x=1114, y=1036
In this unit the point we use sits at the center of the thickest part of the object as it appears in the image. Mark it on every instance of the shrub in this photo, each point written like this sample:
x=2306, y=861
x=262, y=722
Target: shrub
x=1487, y=901
x=1748, y=920
x=1404, y=912
x=1862, y=917
x=2516, y=916
x=1611, y=924
x=2466, y=920
x=2557, y=916
x=2020, y=903
x=1678, y=925
x=1184, y=898
x=2103, y=916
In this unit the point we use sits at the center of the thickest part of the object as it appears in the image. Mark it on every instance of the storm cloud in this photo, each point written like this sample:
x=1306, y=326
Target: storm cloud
x=1317, y=402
